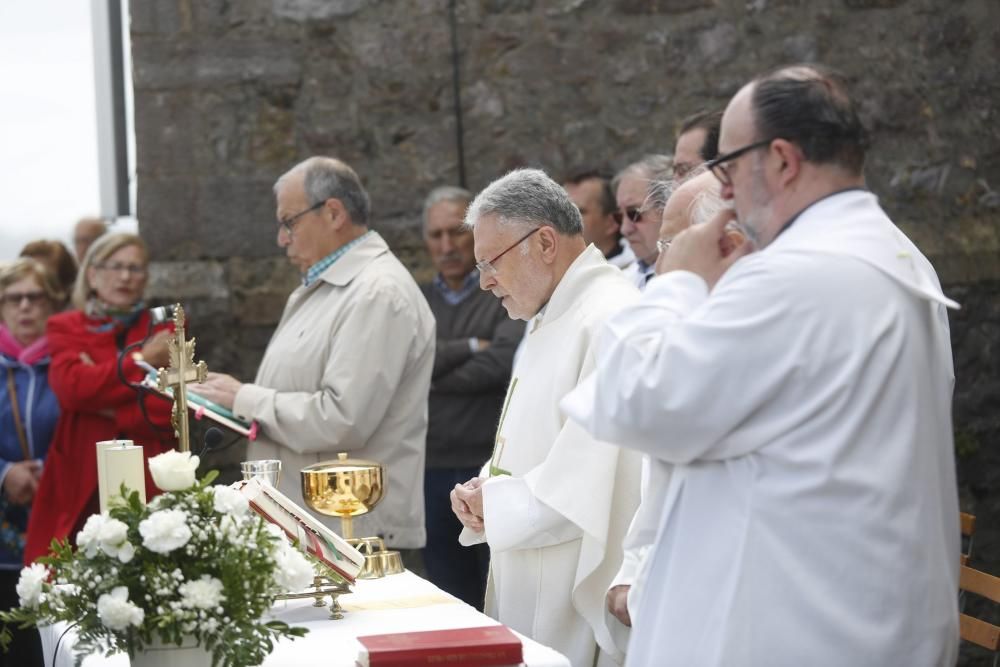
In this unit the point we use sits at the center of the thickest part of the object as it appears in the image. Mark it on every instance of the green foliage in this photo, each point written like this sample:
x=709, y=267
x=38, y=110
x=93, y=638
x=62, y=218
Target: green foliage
x=230, y=552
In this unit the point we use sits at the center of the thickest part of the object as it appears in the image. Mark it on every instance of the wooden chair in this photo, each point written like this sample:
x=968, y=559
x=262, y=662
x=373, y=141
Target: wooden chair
x=968, y=523
x=973, y=629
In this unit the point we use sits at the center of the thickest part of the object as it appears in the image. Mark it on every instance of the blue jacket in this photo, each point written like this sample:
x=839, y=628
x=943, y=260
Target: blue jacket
x=39, y=413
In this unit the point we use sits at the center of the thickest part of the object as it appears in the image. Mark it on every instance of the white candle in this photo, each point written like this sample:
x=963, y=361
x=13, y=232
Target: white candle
x=124, y=465
x=102, y=475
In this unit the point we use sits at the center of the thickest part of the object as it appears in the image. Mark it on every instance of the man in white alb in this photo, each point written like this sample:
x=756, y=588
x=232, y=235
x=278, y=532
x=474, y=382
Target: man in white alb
x=803, y=395
x=553, y=503
x=694, y=202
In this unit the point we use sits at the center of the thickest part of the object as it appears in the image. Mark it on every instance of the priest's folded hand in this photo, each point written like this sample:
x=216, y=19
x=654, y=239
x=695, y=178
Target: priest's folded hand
x=467, y=504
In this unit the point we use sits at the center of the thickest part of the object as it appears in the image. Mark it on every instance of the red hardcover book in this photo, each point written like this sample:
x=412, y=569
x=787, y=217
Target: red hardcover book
x=487, y=646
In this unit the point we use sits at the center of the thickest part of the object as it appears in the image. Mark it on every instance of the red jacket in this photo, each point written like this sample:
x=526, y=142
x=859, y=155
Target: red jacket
x=88, y=394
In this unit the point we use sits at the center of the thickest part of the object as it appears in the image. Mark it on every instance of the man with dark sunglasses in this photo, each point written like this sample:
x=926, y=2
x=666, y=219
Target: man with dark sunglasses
x=802, y=393
x=640, y=197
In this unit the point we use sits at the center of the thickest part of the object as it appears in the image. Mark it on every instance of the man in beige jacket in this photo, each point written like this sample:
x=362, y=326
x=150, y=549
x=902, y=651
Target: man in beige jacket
x=349, y=367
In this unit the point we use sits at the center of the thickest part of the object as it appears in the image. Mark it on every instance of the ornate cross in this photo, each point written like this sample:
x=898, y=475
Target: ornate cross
x=182, y=370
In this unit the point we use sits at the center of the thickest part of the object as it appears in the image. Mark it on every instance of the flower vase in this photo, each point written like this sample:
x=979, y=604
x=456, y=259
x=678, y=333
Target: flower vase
x=158, y=654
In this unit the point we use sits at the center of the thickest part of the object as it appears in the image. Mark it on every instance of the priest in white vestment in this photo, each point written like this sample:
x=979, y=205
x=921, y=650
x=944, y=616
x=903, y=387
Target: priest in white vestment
x=692, y=202
x=553, y=503
x=803, y=395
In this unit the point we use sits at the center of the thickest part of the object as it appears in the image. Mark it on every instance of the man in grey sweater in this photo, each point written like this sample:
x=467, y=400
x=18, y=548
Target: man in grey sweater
x=472, y=366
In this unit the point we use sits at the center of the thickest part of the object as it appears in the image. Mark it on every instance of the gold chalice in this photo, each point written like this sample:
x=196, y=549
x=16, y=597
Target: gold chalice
x=347, y=488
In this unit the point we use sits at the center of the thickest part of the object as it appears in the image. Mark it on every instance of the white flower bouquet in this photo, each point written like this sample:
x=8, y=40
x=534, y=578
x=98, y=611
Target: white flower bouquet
x=194, y=562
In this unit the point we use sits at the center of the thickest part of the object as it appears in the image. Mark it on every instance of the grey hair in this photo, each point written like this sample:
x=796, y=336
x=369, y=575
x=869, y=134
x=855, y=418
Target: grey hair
x=655, y=167
x=329, y=178
x=706, y=205
x=449, y=193
x=659, y=192
x=527, y=197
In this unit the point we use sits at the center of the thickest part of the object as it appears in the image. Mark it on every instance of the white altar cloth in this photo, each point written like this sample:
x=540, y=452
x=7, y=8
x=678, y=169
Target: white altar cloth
x=398, y=603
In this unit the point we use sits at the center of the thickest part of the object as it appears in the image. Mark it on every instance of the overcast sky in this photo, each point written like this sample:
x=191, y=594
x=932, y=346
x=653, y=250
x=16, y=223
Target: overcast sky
x=48, y=134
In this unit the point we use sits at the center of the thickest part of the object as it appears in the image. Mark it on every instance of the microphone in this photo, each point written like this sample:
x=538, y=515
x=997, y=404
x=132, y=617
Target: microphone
x=213, y=438
x=161, y=314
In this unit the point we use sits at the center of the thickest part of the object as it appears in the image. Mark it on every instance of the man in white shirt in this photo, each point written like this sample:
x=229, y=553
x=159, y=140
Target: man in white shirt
x=803, y=395
x=694, y=202
x=553, y=550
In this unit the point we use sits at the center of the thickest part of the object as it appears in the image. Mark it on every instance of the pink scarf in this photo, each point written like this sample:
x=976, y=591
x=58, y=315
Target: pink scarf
x=29, y=355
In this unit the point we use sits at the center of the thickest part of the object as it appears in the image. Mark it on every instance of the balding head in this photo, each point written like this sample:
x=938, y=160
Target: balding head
x=683, y=210
x=789, y=138
x=85, y=232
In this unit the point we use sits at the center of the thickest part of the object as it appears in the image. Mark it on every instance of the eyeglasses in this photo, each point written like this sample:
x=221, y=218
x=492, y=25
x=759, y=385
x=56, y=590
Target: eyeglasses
x=487, y=266
x=663, y=244
x=718, y=165
x=118, y=267
x=288, y=223
x=633, y=213
x=16, y=298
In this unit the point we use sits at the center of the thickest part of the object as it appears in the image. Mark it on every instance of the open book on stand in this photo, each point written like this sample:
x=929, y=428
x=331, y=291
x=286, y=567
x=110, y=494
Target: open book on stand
x=331, y=549
x=486, y=646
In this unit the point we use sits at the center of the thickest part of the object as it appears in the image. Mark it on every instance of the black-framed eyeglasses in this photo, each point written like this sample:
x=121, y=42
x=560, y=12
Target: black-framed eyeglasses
x=718, y=165
x=288, y=223
x=633, y=213
x=486, y=266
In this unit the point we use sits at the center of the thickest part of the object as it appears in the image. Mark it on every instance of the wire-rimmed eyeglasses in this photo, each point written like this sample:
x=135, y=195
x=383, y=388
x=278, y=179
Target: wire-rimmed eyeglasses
x=486, y=266
x=718, y=165
x=288, y=223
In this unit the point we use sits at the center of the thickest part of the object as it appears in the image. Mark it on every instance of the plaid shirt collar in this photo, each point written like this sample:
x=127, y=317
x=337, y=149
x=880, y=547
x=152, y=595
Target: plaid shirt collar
x=453, y=297
x=317, y=269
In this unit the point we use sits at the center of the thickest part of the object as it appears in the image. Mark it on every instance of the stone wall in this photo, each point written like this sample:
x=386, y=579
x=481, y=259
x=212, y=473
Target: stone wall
x=229, y=95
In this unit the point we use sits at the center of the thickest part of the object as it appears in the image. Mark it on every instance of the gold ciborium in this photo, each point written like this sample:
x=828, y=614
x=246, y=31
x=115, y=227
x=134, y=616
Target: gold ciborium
x=347, y=488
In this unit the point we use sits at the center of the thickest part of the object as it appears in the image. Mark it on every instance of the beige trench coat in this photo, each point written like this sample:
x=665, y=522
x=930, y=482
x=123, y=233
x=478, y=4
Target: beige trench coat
x=348, y=370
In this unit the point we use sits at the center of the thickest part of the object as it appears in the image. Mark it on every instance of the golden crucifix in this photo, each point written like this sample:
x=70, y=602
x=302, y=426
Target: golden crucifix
x=182, y=370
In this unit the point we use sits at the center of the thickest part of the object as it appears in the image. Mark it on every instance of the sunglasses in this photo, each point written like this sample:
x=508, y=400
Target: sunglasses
x=15, y=298
x=633, y=213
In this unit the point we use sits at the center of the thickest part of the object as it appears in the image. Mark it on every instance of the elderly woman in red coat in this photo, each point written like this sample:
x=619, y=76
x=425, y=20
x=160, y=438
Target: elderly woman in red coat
x=91, y=356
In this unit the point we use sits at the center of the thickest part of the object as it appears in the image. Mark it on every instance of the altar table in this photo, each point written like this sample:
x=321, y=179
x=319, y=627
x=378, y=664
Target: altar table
x=398, y=603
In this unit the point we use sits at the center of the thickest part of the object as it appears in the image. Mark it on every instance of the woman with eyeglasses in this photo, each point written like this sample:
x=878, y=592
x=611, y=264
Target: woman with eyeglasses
x=94, y=370
x=29, y=294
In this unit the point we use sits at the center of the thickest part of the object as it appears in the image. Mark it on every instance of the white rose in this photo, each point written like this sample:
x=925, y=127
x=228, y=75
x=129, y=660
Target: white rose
x=228, y=500
x=165, y=531
x=116, y=612
x=29, y=586
x=113, y=537
x=204, y=593
x=126, y=552
x=89, y=538
x=292, y=571
x=173, y=470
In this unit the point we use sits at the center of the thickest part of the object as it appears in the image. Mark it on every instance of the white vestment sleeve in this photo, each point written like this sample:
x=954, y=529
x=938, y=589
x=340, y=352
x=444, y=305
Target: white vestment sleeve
x=516, y=519
x=675, y=376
